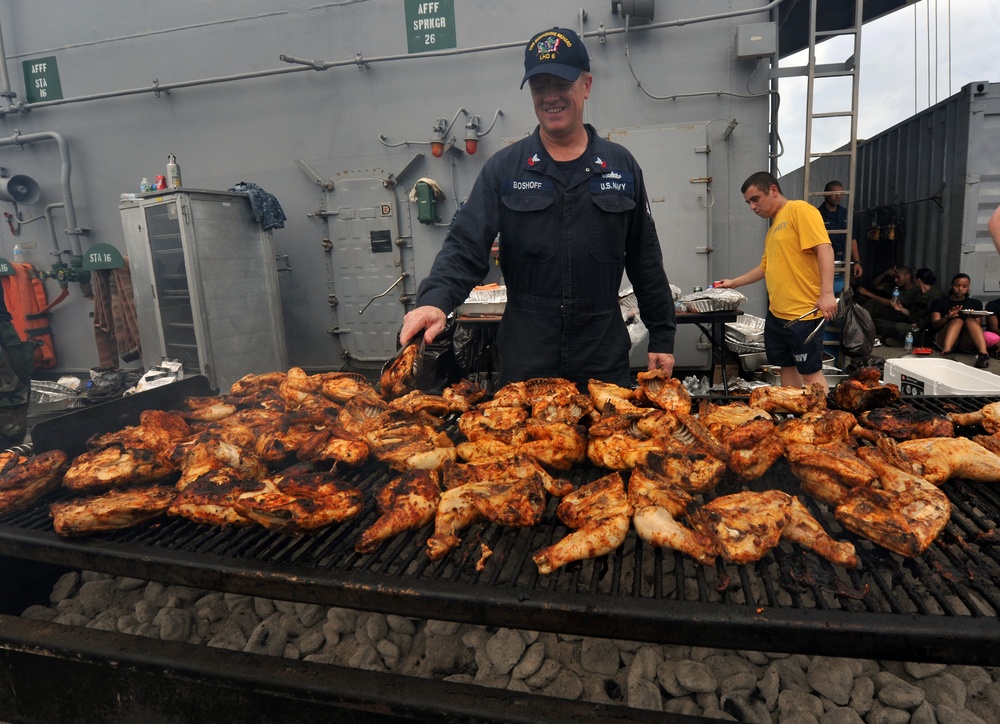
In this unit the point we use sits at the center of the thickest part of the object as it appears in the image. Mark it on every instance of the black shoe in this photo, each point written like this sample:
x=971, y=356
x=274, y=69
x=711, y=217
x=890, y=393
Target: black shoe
x=982, y=360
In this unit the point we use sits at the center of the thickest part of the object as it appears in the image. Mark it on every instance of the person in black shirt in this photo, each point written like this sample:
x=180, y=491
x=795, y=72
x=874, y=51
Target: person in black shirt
x=953, y=324
x=835, y=218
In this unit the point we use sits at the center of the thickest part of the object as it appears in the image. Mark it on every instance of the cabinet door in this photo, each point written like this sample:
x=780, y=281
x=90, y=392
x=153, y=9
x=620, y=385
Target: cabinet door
x=175, y=307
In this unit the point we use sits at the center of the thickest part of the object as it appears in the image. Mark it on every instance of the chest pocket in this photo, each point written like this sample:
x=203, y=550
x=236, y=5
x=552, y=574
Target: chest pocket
x=529, y=238
x=609, y=227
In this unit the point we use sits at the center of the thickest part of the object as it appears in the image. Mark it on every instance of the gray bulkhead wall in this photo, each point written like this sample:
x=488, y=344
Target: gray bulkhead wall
x=256, y=129
x=939, y=172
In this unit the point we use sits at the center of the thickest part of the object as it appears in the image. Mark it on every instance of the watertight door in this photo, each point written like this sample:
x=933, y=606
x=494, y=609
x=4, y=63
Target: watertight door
x=674, y=161
x=369, y=268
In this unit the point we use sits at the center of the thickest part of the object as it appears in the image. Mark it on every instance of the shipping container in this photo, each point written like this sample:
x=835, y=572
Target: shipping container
x=925, y=190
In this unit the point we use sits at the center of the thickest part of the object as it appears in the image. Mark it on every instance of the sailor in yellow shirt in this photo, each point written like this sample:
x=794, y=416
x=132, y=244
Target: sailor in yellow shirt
x=797, y=267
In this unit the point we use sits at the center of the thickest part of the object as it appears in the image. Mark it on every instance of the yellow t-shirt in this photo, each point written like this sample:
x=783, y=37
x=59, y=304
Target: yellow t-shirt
x=791, y=270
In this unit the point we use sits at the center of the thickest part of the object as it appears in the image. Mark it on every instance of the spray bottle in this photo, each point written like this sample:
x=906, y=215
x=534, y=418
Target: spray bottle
x=173, y=172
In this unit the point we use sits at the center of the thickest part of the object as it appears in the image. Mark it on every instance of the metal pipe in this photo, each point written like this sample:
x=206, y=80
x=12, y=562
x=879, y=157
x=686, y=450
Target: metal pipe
x=73, y=230
x=58, y=252
x=304, y=64
x=5, y=90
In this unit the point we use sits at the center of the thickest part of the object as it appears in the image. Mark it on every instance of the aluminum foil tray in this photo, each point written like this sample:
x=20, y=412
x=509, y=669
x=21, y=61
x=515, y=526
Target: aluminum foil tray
x=713, y=300
x=748, y=330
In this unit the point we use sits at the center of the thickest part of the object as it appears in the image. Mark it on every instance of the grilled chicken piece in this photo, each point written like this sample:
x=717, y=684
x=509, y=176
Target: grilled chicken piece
x=408, y=502
x=599, y=514
x=515, y=504
x=274, y=445
x=990, y=442
x=251, y=384
x=358, y=416
x=505, y=424
x=116, y=467
x=901, y=512
x=556, y=444
x=297, y=386
x=620, y=441
x=410, y=446
x=203, y=456
x=462, y=395
x=805, y=530
x=398, y=377
x=417, y=401
x=113, y=510
x=940, y=458
x=345, y=387
x=210, y=498
x=502, y=469
x=554, y=399
x=988, y=416
x=603, y=394
x=659, y=505
x=828, y=472
x=789, y=400
x=688, y=466
x=665, y=392
x=907, y=423
x=864, y=391
x=747, y=525
x=513, y=394
x=752, y=447
x=819, y=428
x=207, y=409
x=720, y=419
x=327, y=446
x=26, y=479
x=157, y=431
x=299, y=500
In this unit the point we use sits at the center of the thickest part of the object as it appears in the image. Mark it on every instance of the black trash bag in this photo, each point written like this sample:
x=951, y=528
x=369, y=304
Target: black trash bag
x=476, y=354
x=436, y=368
x=857, y=335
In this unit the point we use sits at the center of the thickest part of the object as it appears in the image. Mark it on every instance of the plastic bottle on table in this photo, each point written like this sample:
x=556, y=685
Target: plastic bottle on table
x=908, y=343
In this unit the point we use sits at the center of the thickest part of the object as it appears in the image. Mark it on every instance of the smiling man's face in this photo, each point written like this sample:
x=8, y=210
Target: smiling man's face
x=559, y=103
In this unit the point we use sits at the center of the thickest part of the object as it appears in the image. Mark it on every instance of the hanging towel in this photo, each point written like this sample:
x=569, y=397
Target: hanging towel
x=265, y=207
x=116, y=327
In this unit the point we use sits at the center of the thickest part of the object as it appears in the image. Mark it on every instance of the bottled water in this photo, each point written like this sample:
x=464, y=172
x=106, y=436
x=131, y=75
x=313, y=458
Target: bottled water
x=895, y=295
x=908, y=344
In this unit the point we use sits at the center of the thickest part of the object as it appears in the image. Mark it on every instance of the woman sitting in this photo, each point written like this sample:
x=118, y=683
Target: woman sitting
x=953, y=326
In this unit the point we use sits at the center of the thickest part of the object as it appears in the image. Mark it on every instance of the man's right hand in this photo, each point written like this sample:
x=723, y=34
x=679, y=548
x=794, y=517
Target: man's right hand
x=427, y=318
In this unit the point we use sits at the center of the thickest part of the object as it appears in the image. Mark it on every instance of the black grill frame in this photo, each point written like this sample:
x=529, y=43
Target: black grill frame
x=940, y=607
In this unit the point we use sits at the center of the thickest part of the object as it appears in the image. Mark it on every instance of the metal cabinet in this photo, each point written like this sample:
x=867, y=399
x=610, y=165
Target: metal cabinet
x=206, y=284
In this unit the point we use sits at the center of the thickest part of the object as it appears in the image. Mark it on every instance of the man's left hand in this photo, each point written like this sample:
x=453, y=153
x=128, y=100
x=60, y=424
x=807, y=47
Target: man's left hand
x=856, y=270
x=661, y=361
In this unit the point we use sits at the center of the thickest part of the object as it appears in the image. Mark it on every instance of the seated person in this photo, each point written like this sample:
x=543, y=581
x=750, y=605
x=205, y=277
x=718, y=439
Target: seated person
x=880, y=286
x=992, y=332
x=893, y=318
x=954, y=328
x=920, y=312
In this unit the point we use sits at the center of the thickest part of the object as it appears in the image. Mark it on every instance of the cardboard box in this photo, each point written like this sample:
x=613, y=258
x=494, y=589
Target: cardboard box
x=917, y=376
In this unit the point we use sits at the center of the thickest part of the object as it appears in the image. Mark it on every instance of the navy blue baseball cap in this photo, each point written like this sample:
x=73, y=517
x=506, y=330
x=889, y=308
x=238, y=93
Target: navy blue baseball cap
x=559, y=52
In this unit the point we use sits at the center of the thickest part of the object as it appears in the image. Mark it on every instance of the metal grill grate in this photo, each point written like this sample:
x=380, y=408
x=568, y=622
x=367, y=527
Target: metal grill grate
x=942, y=606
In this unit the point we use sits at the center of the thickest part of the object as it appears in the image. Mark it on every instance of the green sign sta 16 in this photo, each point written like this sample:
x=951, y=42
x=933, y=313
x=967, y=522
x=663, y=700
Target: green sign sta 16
x=430, y=25
x=41, y=80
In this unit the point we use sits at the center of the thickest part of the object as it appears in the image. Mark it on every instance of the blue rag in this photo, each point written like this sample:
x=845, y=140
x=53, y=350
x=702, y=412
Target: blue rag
x=265, y=207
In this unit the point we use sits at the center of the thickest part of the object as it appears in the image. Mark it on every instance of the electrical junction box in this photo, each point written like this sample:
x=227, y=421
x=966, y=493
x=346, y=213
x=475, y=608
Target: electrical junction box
x=756, y=41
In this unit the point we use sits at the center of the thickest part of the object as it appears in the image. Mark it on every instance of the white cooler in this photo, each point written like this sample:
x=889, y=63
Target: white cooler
x=925, y=376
